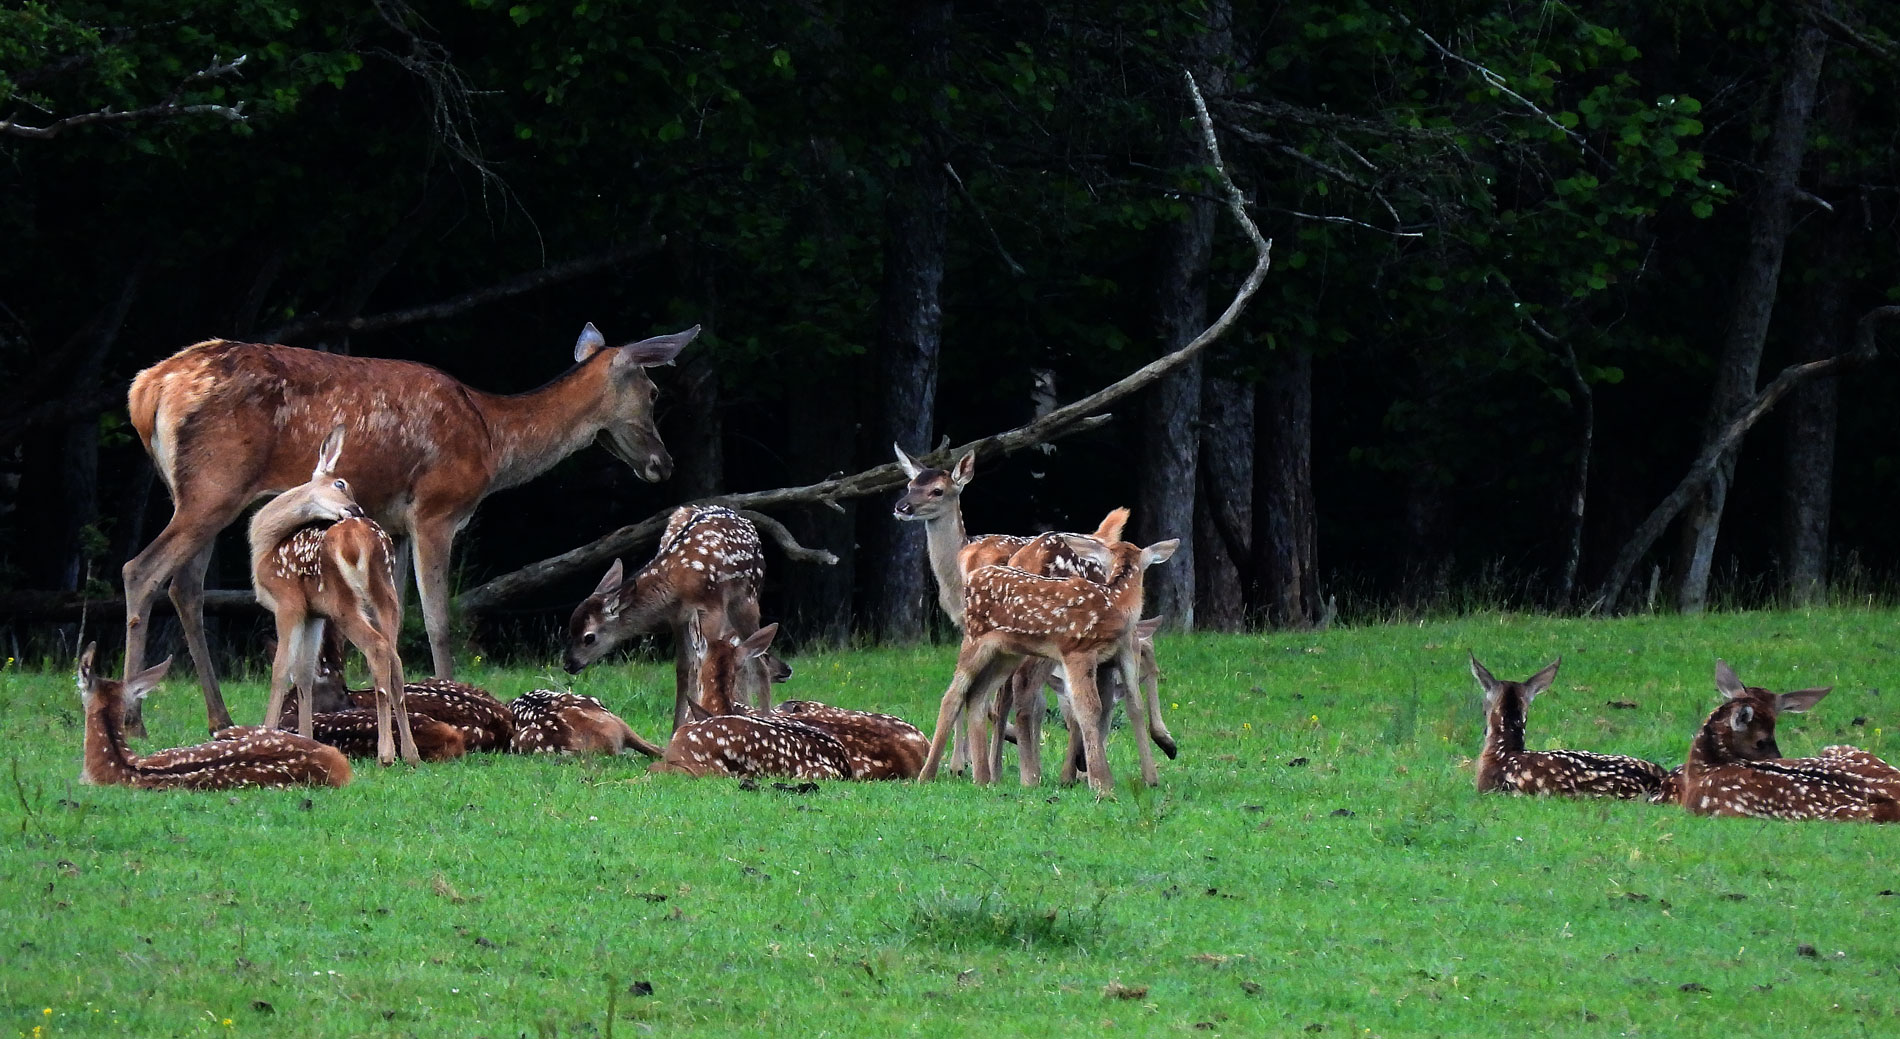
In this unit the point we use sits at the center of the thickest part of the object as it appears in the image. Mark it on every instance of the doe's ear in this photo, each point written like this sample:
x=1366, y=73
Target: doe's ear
x=141, y=684
x=589, y=343
x=1540, y=681
x=964, y=471
x=907, y=463
x=1726, y=681
x=1800, y=700
x=648, y=353
x=1479, y=672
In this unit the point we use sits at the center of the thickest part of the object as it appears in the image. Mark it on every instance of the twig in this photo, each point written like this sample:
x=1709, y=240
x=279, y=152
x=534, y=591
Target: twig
x=167, y=108
x=983, y=218
x=793, y=550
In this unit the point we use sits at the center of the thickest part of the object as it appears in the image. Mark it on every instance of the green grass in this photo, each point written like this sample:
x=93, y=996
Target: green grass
x=1367, y=891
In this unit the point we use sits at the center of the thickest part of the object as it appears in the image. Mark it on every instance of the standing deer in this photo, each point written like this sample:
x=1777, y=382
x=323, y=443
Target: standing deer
x=731, y=740
x=252, y=757
x=1735, y=766
x=709, y=561
x=1504, y=766
x=227, y=423
x=314, y=558
x=1011, y=614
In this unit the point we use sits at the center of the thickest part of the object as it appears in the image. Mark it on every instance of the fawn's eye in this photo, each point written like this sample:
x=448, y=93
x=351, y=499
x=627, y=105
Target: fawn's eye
x=936, y=492
x=589, y=639
x=341, y=486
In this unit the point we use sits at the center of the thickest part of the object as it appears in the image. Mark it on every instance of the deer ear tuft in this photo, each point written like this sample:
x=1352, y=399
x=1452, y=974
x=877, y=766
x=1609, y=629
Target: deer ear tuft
x=1541, y=681
x=1479, y=672
x=964, y=471
x=589, y=343
x=907, y=463
x=1726, y=681
x=1742, y=717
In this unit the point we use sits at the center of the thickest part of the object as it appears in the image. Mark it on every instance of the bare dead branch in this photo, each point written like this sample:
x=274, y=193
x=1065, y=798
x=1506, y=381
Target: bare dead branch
x=1705, y=466
x=166, y=109
x=983, y=218
x=788, y=543
x=1846, y=33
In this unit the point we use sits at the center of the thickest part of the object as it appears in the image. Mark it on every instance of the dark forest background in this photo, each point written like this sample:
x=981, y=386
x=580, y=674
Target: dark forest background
x=1528, y=256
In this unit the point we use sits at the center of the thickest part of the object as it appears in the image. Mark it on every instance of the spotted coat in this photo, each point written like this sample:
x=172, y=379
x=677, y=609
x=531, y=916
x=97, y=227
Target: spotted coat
x=353, y=731
x=879, y=746
x=549, y=722
x=1504, y=766
x=1842, y=783
x=485, y=723
x=300, y=556
x=747, y=745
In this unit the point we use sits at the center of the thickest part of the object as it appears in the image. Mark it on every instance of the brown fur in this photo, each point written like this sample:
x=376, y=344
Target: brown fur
x=732, y=740
x=548, y=722
x=255, y=757
x=227, y=423
x=1504, y=766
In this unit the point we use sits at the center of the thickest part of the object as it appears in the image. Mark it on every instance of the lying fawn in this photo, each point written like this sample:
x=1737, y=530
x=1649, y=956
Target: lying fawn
x=733, y=741
x=255, y=757
x=548, y=722
x=1505, y=766
x=708, y=560
x=354, y=731
x=1735, y=766
x=316, y=557
x=1011, y=614
x=485, y=723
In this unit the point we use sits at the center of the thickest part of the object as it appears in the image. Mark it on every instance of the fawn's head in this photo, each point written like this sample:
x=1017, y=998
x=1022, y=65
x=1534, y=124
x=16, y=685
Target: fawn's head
x=97, y=688
x=326, y=498
x=1127, y=562
x=931, y=492
x=592, y=629
x=628, y=432
x=1517, y=694
x=1743, y=728
x=728, y=662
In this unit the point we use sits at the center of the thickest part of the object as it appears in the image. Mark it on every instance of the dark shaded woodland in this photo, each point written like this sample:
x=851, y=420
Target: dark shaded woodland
x=1530, y=260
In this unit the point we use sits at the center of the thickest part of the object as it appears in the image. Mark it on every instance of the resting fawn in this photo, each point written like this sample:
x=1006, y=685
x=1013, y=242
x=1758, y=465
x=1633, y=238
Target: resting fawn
x=1505, y=766
x=733, y=741
x=252, y=757
x=316, y=557
x=548, y=722
x=1735, y=766
x=484, y=722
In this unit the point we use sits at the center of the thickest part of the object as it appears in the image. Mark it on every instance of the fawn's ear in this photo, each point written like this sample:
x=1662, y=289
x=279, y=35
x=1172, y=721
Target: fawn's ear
x=616, y=574
x=1727, y=683
x=1540, y=681
x=85, y=666
x=1112, y=524
x=589, y=343
x=907, y=463
x=1800, y=700
x=759, y=641
x=964, y=471
x=1741, y=717
x=1146, y=629
x=140, y=685
x=328, y=454
x=1159, y=552
x=696, y=634
x=1479, y=672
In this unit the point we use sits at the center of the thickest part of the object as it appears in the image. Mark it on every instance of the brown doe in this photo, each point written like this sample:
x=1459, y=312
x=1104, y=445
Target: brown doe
x=731, y=740
x=709, y=561
x=1735, y=767
x=1504, y=766
x=227, y=423
x=315, y=558
x=1011, y=614
x=254, y=757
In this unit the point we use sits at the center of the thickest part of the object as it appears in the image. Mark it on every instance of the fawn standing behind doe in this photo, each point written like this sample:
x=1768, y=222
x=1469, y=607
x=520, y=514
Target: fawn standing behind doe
x=250, y=757
x=1735, y=766
x=1505, y=766
x=316, y=557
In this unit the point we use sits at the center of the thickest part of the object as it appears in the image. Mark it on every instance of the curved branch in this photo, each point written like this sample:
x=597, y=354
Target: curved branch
x=789, y=544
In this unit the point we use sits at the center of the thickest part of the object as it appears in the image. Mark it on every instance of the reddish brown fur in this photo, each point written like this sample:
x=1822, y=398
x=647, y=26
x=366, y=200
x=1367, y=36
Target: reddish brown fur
x=1504, y=766
x=1844, y=783
x=1010, y=614
x=709, y=561
x=228, y=422
x=484, y=722
x=353, y=731
x=732, y=741
x=547, y=722
x=256, y=757
x=879, y=746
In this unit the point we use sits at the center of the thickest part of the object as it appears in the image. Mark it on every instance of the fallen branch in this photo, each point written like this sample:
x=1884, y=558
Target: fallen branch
x=1712, y=457
x=168, y=108
x=786, y=542
x=1070, y=418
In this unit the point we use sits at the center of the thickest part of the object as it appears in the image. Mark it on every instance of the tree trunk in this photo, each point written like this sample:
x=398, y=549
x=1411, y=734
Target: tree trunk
x=1754, y=303
x=698, y=444
x=1586, y=408
x=1808, y=450
x=1223, y=519
x=1286, y=539
x=820, y=441
x=1170, y=439
x=910, y=331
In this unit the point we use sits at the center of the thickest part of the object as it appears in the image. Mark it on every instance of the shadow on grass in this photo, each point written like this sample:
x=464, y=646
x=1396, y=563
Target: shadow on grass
x=964, y=922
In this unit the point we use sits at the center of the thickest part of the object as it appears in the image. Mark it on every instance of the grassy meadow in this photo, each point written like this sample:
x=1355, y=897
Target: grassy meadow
x=1316, y=862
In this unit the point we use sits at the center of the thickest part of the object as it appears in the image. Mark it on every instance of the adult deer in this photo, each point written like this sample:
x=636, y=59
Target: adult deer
x=316, y=559
x=708, y=562
x=1735, y=766
x=1011, y=614
x=250, y=757
x=1504, y=766
x=227, y=423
